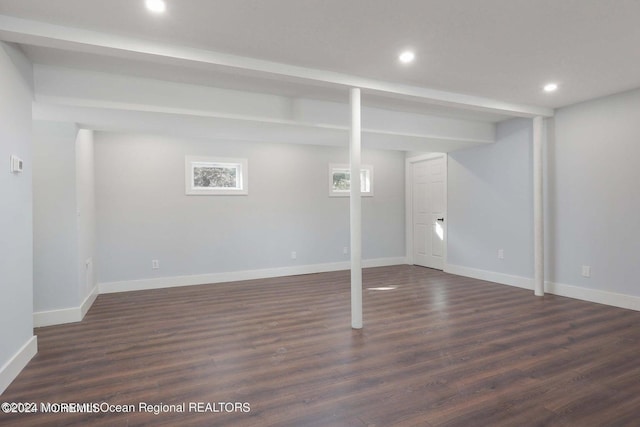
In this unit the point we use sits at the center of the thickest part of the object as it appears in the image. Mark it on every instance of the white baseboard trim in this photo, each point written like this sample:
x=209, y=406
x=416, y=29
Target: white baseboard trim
x=56, y=317
x=594, y=295
x=571, y=291
x=16, y=364
x=88, y=301
x=490, y=276
x=235, y=276
x=65, y=315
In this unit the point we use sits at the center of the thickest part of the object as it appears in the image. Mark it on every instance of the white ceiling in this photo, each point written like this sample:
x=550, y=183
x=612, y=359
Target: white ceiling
x=499, y=49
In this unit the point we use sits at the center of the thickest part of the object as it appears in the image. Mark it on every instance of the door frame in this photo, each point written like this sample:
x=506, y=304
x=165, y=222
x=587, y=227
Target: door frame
x=409, y=162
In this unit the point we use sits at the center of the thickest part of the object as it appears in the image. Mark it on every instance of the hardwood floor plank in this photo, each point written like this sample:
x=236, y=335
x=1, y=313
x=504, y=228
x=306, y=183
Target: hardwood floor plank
x=436, y=350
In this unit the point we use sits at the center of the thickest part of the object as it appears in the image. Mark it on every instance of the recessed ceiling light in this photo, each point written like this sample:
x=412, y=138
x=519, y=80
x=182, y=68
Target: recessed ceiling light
x=156, y=6
x=407, y=56
x=550, y=87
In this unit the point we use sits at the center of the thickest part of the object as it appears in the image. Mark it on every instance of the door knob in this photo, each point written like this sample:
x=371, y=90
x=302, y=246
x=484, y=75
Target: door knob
x=440, y=219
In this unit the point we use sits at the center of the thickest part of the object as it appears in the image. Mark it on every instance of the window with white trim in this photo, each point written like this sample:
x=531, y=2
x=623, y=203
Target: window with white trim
x=340, y=180
x=216, y=176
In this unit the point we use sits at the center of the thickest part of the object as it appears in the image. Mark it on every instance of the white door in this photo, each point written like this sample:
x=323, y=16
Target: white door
x=429, y=181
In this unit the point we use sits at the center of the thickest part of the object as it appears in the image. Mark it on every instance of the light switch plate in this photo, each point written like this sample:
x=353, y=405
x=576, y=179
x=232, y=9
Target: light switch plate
x=16, y=164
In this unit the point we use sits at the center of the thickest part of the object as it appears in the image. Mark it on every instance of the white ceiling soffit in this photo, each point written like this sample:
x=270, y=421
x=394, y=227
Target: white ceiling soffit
x=63, y=93
x=54, y=36
x=227, y=79
x=237, y=129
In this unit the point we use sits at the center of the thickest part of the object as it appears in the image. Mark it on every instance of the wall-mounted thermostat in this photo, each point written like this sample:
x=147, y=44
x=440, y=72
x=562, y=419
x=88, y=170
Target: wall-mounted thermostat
x=16, y=164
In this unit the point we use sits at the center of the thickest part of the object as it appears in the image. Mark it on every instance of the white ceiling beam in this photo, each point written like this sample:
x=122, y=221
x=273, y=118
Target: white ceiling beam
x=54, y=36
x=96, y=90
x=213, y=127
x=75, y=107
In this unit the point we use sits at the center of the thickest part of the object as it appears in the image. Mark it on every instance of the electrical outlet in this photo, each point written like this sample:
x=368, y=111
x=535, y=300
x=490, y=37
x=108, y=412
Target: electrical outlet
x=294, y=255
x=500, y=253
x=586, y=271
x=155, y=264
x=345, y=250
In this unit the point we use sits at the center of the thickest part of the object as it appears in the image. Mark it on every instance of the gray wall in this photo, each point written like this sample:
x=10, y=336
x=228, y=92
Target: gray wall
x=490, y=204
x=144, y=214
x=594, y=200
x=16, y=244
x=64, y=215
x=55, y=244
x=86, y=211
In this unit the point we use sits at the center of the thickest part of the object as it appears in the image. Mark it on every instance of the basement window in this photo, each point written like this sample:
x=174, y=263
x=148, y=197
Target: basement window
x=216, y=176
x=340, y=180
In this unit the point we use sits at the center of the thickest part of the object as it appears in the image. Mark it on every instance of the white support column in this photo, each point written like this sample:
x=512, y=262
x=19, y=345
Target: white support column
x=538, y=211
x=355, y=211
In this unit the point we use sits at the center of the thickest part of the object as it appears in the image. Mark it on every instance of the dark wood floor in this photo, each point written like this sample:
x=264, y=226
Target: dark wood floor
x=436, y=350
